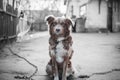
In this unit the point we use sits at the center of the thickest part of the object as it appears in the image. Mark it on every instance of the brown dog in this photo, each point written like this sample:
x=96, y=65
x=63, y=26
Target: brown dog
x=60, y=49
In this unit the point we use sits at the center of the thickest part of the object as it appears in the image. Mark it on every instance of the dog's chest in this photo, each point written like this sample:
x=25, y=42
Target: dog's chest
x=60, y=49
x=60, y=52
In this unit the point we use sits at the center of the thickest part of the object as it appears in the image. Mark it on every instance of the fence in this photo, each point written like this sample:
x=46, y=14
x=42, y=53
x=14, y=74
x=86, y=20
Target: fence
x=10, y=24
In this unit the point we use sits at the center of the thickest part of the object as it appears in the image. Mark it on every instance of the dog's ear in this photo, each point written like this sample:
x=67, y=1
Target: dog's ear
x=50, y=19
x=68, y=22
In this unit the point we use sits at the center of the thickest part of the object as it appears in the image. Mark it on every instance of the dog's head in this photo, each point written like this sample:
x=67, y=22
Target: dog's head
x=59, y=26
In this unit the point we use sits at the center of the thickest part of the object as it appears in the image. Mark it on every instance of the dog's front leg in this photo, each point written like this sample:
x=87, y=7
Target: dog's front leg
x=54, y=65
x=56, y=75
x=65, y=68
x=65, y=64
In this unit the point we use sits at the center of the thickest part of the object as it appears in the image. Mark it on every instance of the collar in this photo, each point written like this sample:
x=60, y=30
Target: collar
x=61, y=39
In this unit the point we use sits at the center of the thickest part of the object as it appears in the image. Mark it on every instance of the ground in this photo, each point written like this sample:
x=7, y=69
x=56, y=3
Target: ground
x=93, y=53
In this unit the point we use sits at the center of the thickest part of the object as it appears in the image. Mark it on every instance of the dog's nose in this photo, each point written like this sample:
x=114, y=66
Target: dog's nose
x=57, y=30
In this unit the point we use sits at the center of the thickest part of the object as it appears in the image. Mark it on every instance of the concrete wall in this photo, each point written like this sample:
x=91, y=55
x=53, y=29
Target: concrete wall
x=94, y=18
x=76, y=6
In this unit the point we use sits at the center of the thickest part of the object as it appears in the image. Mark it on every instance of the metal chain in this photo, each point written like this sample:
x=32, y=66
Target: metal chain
x=36, y=68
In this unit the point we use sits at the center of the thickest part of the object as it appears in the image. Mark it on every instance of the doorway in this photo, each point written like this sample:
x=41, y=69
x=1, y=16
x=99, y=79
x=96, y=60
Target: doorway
x=109, y=15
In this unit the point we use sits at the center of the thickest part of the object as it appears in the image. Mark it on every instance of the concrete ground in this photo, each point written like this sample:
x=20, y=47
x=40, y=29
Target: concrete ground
x=95, y=55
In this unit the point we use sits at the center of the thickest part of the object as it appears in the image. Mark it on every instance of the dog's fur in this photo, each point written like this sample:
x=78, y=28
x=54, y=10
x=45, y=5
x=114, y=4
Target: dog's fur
x=60, y=48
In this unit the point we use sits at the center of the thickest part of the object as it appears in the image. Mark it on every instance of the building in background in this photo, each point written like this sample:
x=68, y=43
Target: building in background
x=100, y=15
x=38, y=18
x=41, y=8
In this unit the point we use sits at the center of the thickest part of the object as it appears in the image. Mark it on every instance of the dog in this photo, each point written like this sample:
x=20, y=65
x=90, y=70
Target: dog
x=60, y=48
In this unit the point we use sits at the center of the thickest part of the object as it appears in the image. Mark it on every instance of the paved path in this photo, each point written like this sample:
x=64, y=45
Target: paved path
x=93, y=53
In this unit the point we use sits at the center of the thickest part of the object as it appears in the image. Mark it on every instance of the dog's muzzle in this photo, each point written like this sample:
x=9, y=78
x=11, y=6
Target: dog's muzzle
x=57, y=30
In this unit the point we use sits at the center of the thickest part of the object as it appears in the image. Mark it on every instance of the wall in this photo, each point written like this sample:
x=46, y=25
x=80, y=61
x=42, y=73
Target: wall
x=76, y=6
x=94, y=19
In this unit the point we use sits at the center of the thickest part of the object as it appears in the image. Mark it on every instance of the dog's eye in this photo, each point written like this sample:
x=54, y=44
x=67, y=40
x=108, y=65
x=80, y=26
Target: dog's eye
x=54, y=24
x=62, y=24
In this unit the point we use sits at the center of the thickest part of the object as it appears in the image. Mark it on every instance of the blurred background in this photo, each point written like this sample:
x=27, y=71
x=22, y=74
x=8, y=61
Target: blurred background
x=17, y=17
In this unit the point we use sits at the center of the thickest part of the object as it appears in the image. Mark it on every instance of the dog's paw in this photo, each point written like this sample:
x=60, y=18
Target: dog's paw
x=64, y=78
x=56, y=78
x=70, y=77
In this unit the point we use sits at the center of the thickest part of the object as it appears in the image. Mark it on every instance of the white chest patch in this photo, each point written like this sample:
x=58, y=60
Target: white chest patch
x=60, y=52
